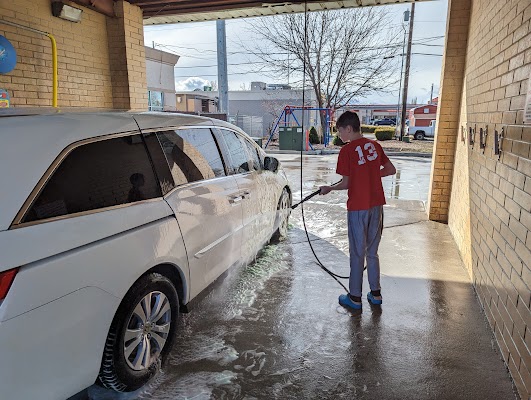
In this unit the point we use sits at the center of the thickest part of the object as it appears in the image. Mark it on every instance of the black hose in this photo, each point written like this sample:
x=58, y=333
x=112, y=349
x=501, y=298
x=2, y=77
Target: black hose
x=306, y=52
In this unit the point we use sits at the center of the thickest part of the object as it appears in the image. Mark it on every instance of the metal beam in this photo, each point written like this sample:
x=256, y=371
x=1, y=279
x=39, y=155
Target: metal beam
x=173, y=11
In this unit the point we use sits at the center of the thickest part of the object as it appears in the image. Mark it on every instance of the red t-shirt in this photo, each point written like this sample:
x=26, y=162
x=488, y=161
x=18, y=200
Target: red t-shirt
x=361, y=160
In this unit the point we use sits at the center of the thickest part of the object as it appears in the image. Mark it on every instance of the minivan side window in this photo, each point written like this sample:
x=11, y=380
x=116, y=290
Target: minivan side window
x=256, y=164
x=192, y=154
x=96, y=175
x=239, y=160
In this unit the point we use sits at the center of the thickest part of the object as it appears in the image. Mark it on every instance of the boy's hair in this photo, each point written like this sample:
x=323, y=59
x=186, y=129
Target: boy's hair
x=349, y=118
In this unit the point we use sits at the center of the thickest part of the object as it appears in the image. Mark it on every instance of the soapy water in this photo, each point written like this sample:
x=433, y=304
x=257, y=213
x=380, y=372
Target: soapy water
x=203, y=364
x=250, y=280
x=194, y=386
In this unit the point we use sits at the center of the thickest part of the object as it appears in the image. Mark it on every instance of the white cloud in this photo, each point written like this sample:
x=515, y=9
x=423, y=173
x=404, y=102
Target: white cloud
x=191, y=83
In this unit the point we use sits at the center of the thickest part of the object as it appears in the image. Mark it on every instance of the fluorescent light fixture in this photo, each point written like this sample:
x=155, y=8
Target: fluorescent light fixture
x=64, y=11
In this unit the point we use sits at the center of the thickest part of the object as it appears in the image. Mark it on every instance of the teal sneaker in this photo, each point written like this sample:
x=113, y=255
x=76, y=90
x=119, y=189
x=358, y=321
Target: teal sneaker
x=372, y=300
x=346, y=301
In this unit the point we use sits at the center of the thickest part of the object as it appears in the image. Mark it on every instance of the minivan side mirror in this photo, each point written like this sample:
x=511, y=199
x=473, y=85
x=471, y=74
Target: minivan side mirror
x=271, y=164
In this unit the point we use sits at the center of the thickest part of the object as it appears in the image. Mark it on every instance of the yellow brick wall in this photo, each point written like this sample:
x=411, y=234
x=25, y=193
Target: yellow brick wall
x=448, y=110
x=101, y=60
x=127, y=57
x=83, y=61
x=488, y=206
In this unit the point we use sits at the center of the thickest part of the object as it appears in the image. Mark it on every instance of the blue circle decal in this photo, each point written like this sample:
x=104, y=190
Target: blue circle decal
x=8, y=56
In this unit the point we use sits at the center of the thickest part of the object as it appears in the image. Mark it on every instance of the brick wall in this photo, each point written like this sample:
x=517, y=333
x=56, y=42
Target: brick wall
x=489, y=199
x=448, y=109
x=127, y=57
x=90, y=60
x=83, y=62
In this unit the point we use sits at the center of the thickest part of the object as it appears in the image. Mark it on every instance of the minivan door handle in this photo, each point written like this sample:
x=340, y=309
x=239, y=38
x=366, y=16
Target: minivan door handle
x=235, y=199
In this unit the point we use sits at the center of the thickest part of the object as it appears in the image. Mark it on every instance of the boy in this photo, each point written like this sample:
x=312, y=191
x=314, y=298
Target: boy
x=362, y=163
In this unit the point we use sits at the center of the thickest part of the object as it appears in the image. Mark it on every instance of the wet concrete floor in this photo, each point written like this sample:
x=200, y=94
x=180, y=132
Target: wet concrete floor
x=274, y=330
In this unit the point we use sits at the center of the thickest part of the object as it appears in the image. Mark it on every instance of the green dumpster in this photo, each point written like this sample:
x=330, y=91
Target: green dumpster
x=291, y=138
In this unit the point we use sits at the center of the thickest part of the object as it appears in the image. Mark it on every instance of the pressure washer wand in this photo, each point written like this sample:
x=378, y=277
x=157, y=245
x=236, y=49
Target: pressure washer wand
x=293, y=207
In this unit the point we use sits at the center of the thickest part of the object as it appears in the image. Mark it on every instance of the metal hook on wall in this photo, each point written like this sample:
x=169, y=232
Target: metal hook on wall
x=483, y=138
x=498, y=140
x=471, y=135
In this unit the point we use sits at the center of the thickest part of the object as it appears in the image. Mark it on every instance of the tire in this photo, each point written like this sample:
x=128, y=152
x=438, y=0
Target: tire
x=419, y=135
x=125, y=374
x=284, y=206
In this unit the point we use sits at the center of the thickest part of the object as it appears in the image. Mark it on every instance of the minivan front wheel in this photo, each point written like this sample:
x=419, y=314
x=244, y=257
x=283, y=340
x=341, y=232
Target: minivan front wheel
x=141, y=334
x=283, y=212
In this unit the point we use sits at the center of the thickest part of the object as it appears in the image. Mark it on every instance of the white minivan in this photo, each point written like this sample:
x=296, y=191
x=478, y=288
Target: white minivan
x=110, y=224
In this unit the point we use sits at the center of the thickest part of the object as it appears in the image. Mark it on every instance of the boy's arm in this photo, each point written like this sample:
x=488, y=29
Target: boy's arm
x=343, y=185
x=387, y=169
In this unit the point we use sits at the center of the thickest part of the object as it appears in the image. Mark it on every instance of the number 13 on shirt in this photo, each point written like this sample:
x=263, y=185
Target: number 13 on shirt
x=369, y=148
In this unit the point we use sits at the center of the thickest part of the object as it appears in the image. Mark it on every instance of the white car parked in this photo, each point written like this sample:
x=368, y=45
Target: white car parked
x=110, y=224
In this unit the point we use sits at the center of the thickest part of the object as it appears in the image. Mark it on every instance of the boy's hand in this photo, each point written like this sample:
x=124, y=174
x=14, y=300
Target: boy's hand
x=325, y=190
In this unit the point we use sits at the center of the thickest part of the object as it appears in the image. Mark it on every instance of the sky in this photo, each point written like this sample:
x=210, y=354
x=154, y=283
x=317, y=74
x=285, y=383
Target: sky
x=195, y=43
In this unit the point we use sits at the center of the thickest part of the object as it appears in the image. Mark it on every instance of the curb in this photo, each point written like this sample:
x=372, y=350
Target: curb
x=330, y=152
x=404, y=154
x=309, y=152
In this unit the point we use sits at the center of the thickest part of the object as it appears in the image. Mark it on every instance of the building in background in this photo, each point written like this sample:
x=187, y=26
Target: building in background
x=160, y=79
x=255, y=110
x=422, y=115
x=197, y=101
x=266, y=102
x=369, y=113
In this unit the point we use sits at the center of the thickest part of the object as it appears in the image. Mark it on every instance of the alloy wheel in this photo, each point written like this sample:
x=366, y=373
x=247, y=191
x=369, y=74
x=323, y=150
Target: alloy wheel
x=147, y=331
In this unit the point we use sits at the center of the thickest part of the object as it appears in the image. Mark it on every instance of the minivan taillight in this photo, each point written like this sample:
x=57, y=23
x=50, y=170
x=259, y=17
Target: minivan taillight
x=6, y=279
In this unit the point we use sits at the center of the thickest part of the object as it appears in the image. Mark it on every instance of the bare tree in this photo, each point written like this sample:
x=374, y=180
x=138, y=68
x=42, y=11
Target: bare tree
x=274, y=109
x=346, y=54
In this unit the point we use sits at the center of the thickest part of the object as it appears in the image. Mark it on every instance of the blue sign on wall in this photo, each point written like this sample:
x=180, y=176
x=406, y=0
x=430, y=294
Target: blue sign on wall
x=8, y=56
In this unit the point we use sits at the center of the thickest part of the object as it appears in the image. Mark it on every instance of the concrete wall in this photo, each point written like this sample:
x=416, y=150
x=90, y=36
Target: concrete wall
x=100, y=59
x=160, y=67
x=268, y=104
x=486, y=201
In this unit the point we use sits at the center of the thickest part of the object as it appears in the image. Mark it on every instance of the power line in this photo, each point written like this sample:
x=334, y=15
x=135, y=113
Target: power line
x=230, y=73
x=427, y=54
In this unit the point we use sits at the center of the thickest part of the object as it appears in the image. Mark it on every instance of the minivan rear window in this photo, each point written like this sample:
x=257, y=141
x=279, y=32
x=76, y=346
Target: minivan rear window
x=192, y=154
x=97, y=175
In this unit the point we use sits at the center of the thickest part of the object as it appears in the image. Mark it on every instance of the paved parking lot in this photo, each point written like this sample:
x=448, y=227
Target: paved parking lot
x=274, y=330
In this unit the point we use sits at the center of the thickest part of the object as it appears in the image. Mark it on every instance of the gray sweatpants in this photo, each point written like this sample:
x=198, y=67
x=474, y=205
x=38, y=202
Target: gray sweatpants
x=364, y=234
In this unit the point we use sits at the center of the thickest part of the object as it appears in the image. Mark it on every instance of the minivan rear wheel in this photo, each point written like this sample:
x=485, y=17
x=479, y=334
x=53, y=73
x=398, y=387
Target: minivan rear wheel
x=141, y=334
x=284, y=211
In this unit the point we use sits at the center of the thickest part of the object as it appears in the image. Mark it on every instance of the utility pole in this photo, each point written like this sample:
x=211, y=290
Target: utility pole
x=406, y=19
x=223, y=85
x=431, y=94
x=406, y=78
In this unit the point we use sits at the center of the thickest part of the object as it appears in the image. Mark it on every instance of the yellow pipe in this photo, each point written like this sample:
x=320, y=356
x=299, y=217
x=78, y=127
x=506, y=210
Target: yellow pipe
x=54, y=56
x=54, y=66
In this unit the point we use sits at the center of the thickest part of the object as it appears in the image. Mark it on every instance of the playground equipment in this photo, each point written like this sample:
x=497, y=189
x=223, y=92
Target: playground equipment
x=288, y=113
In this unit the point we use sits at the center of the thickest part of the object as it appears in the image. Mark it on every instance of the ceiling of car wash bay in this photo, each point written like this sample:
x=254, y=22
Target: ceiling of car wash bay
x=164, y=12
